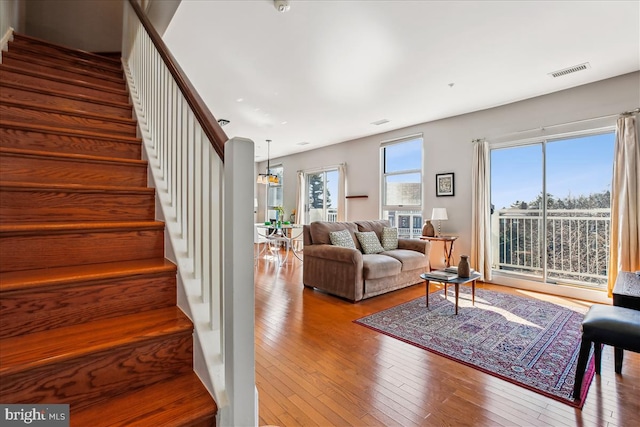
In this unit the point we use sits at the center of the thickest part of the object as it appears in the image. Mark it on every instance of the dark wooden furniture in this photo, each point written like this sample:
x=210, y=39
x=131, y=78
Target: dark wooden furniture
x=626, y=292
x=604, y=324
x=457, y=281
x=618, y=326
x=447, y=241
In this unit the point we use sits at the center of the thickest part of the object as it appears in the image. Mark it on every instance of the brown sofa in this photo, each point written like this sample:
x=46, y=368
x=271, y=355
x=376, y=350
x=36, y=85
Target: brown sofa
x=349, y=273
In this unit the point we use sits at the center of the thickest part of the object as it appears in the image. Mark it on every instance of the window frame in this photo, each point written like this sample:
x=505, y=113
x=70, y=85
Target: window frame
x=543, y=140
x=395, y=211
x=278, y=170
x=341, y=195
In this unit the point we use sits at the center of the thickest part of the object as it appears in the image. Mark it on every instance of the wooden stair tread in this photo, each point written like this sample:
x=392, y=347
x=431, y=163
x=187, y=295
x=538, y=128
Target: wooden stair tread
x=70, y=156
x=72, y=60
x=18, y=37
x=68, y=132
x=63, y=94
x=54, y=69
x=180, y=401
x=68, y=111
x=44, y=227
x=104, y=335
x=57, y=345
x=23, y=186
x=12, y=69
x=19, y=56
x=17, y=280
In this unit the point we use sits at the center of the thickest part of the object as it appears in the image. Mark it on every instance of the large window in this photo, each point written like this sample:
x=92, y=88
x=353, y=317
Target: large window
x=275, y=196
x=401, y=201
x=551, y=209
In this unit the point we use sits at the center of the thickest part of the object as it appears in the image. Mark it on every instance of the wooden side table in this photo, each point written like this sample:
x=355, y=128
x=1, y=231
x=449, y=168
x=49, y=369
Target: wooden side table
x=448, y=249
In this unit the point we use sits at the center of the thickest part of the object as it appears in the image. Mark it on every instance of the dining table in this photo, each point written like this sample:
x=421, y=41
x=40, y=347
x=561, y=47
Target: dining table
x=284, y=233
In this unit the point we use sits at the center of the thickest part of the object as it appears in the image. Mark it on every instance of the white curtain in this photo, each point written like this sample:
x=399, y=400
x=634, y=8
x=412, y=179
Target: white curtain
x=300, y=194
x=481, y=210
x=342, y=188
x=624, y=244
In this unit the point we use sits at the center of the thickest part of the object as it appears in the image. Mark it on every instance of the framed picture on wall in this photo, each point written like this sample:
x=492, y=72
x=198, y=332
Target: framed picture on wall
x=444, y=184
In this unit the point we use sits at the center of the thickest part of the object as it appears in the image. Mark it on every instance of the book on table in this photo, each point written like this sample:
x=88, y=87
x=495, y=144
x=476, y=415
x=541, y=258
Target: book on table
x=440, y=275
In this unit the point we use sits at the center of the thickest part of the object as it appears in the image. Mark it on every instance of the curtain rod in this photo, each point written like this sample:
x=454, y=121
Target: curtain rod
x=629, y=113
x=322, y=168
x=634, y=111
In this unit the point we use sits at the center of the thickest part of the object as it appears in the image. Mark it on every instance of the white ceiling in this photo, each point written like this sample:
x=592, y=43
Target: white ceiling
x=322, y=72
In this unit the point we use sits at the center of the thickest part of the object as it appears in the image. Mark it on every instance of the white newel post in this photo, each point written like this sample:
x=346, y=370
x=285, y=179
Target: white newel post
x=239, y=298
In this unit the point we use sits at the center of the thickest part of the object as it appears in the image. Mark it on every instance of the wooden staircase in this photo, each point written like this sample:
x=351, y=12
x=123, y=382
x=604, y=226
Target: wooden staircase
x=88, y=302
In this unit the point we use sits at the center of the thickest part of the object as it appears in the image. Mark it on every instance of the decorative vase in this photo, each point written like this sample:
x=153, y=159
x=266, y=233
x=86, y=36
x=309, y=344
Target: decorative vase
x=428, y=230
x=463, y=268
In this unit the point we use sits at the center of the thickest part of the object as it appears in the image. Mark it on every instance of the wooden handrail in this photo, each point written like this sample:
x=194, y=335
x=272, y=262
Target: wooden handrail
x=208, y=122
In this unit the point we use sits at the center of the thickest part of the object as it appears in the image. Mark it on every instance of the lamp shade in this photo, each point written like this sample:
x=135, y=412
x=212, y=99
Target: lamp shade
x=439, y=214
x=268, y=178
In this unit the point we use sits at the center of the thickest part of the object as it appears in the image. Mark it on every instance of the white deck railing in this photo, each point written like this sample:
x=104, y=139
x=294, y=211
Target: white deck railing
x=207, y=206
x=574, y=249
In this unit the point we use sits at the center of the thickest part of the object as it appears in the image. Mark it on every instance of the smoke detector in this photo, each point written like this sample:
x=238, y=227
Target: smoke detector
x=282, y=6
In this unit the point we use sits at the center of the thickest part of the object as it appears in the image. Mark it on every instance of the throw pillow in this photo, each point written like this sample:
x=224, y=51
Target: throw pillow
x=342, y=238
x=389, y=238
x=369, y=242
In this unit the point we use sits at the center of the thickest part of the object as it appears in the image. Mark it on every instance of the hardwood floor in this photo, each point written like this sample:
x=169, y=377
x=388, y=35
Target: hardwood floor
x=315, y=367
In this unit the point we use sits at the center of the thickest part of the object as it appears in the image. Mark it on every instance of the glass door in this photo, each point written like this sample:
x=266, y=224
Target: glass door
x=551, y=209
x=578, y=177
x=517, y=226
x=322, y=196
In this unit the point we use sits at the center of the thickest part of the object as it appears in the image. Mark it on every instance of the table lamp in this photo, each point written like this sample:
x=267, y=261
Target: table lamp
x=439, y=214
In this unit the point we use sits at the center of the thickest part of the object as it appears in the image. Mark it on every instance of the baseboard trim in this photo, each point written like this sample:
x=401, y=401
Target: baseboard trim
x=592, y=295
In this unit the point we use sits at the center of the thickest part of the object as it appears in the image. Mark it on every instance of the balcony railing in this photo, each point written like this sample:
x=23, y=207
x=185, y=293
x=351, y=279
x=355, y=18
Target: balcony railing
x=574, y=249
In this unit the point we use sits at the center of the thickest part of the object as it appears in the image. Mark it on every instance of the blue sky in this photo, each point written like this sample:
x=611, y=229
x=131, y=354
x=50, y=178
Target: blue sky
x=577, y=166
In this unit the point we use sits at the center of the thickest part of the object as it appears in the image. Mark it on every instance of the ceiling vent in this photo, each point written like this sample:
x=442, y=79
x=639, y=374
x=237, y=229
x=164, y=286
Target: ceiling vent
x=380, y=122
x=570, y=70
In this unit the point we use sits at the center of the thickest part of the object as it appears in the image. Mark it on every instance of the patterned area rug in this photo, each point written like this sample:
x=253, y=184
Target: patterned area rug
x=528, y=342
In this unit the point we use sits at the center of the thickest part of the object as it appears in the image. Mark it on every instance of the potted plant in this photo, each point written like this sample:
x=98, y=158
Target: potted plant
x=279, y=215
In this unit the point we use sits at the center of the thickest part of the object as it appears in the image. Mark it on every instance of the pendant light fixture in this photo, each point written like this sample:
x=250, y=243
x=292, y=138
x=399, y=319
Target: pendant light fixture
x=268, y=178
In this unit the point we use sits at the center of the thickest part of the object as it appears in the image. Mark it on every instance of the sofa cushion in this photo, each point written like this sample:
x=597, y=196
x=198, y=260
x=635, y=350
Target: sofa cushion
x=320, y=230
x=342, y=238
x=376, y=266
x=389, y=238
x=376, y=226
x=411, y=260
x=369, y=242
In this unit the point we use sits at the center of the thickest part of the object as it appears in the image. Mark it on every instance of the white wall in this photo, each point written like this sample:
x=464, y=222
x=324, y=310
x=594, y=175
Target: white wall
x=11, y=16
x=448, y=148
x=94, y=26
x=160, y=13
